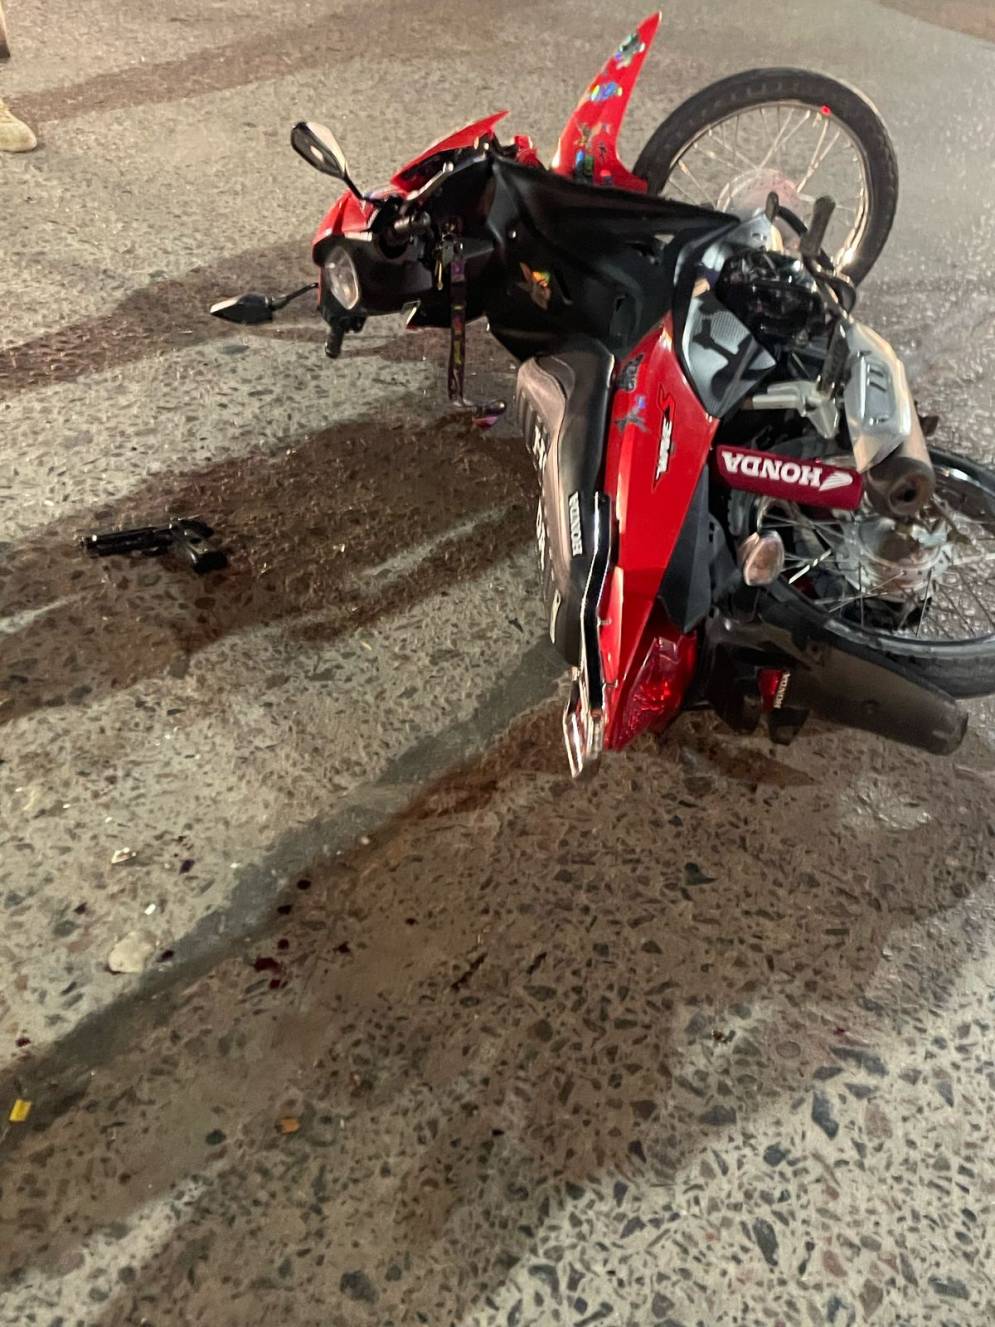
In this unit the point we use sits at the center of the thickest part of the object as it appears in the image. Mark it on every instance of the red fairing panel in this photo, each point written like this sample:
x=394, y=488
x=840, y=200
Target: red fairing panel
x=586, y=149
x=347, y=214
x=465, y=137
x=658, y=443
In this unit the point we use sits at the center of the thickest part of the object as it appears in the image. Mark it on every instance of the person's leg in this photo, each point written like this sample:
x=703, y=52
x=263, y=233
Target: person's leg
x=15, y=136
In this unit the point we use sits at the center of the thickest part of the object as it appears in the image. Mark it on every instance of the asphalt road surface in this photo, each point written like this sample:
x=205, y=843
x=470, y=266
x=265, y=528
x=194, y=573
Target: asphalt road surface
x=424, y=1033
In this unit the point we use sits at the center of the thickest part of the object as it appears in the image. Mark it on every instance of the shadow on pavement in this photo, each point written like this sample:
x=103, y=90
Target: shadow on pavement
x=525, y=1003
x=275, y=52
x=163, y=316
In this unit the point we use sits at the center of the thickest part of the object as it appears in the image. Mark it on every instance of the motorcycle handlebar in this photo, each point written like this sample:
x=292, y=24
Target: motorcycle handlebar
x=405, y=228
x=822, y=213
x=843, y=294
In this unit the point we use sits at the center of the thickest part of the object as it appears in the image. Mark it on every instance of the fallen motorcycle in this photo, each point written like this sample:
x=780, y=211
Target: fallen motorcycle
x=738, y=506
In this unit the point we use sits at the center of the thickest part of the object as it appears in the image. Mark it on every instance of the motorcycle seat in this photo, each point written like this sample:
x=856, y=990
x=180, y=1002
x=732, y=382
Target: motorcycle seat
x=562, y=403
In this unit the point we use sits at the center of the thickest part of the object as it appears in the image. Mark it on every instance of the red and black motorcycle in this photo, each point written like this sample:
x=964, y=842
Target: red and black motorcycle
x=738, y=506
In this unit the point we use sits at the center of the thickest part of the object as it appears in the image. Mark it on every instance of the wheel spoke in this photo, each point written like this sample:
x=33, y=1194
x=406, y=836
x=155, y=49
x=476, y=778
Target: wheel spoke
x=675, y=184
x=972, y=590
x=781, y=140
x=735, y=138
x=782, y=145
x=690, y=174
x=813, y=164
x=952, y=600
x=728, y=160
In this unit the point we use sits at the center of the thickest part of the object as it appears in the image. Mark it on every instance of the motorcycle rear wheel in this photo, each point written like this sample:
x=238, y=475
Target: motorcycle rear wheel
x=732, y=143
x=949, y=639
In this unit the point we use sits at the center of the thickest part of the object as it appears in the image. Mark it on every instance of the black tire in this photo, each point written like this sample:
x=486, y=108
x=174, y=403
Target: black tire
x=755, y=87
x=963, y=669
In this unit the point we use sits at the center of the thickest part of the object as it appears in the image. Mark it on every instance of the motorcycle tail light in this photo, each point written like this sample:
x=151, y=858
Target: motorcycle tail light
x=656, y=695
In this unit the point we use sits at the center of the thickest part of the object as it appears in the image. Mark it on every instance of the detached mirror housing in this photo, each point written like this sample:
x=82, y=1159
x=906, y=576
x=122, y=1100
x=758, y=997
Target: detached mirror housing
x=319, y=147
x=250, y=308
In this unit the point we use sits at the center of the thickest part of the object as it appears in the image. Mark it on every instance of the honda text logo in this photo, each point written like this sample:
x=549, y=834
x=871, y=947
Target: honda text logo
x=576, y=532
x=813, y=482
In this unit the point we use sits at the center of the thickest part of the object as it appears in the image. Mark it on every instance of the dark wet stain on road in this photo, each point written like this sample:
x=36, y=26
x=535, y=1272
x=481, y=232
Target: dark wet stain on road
x=301, y=528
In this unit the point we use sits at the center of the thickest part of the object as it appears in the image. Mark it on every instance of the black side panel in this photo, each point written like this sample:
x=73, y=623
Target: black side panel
x=573, y=259
x=723, y=359
x=562, y=405
x=686, y=589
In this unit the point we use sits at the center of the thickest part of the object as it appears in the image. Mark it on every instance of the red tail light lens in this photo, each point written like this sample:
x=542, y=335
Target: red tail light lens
x=656, y=695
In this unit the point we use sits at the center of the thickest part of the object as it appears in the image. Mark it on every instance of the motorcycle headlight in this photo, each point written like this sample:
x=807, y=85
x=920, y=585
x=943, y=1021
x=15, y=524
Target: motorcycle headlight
x=341, y=277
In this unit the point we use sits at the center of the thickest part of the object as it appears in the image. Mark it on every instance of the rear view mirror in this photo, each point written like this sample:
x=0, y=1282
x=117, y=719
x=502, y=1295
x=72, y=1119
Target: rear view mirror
x=320, y=149
x=251, y=308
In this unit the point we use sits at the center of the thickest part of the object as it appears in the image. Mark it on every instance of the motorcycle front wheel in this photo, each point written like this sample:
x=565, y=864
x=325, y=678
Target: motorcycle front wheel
x=792, y=132
x=922, y=595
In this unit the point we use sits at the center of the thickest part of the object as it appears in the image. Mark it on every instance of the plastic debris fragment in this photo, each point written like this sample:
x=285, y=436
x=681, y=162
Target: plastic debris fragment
x=131, y=953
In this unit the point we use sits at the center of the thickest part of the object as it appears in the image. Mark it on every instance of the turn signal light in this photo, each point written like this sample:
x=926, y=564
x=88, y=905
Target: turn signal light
x=761, y=557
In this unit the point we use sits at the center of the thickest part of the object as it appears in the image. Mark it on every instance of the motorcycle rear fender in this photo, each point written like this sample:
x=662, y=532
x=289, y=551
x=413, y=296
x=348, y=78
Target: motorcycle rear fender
x=659, y=439
x=586, y=150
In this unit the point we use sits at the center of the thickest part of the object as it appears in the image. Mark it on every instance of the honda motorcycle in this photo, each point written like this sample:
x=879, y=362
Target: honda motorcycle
x=738, y=507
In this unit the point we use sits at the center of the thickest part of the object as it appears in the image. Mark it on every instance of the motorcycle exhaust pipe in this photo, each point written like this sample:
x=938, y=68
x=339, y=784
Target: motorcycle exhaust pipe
x=903, y=483
x=840, y=681
x=859, y=694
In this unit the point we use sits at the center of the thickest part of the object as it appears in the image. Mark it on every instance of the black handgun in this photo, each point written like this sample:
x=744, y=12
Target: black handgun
x=184, y=537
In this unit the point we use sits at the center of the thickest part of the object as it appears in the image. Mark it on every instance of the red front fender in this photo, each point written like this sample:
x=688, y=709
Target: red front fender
x=347, y=214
